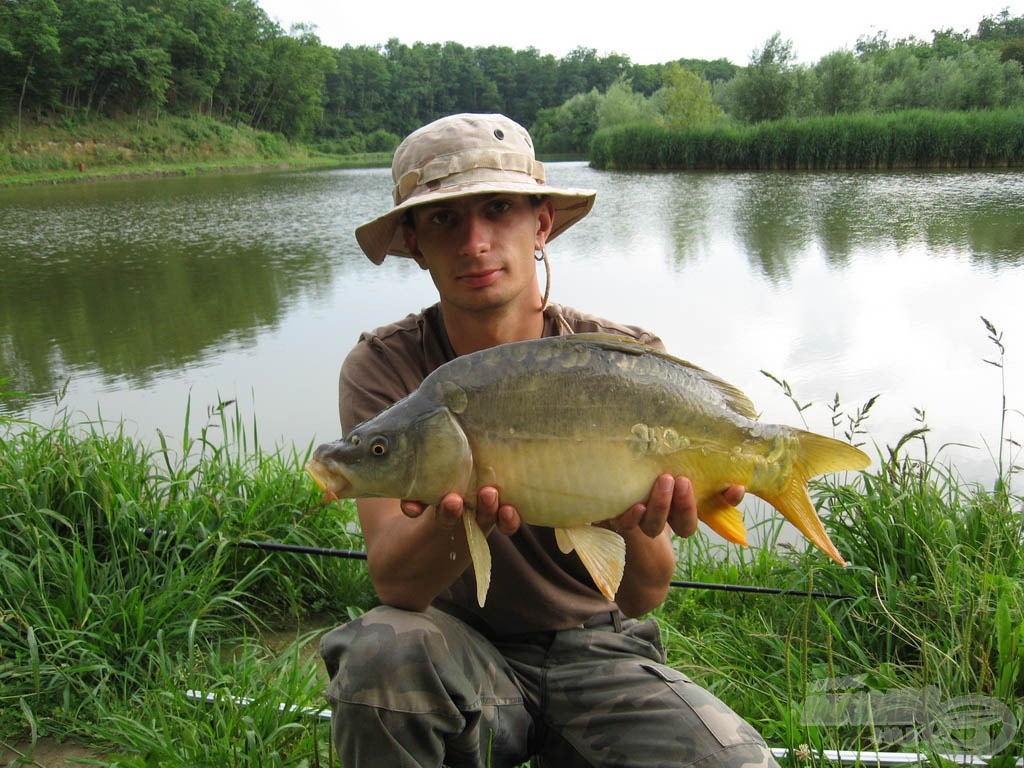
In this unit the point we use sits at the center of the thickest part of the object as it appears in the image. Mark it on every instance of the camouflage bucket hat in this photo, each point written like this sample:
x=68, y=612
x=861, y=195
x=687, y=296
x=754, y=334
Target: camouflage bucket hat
x=462, y=155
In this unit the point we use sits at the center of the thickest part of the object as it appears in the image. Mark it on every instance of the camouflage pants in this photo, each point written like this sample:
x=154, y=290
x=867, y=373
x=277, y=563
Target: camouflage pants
x=425, y=689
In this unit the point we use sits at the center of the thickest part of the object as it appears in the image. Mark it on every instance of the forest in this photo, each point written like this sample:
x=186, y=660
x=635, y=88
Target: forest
x=65, y=61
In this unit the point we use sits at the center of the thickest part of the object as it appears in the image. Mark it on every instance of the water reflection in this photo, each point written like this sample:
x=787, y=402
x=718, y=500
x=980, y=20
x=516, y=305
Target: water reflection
x=134, y=278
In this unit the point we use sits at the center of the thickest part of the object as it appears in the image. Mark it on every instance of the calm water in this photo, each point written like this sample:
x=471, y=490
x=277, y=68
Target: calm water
x=144, y=296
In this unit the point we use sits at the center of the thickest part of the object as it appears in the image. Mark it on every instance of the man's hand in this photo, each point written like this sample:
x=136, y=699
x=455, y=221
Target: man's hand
x=672, y=502
x=490, y=512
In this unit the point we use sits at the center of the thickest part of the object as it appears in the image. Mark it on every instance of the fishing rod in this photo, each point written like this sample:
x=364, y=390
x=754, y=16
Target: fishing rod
x=356, y=554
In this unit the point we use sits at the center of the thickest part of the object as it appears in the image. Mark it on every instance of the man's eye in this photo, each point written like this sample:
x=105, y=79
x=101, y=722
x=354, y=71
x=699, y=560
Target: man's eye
x=441, y=218
x=500, y=206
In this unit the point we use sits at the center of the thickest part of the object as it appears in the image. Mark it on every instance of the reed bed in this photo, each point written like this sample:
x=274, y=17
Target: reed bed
x=105, y=624
x=897, y=140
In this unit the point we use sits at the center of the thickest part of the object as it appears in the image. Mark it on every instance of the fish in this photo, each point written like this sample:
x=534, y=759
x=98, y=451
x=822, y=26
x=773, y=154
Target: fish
x=572, y=430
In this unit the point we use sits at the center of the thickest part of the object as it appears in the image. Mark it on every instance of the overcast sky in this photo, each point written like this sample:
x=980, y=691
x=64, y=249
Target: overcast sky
x=647, y=31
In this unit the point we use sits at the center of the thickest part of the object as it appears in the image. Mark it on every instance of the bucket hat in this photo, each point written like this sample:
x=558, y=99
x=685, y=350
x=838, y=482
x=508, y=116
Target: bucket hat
x=466, y=154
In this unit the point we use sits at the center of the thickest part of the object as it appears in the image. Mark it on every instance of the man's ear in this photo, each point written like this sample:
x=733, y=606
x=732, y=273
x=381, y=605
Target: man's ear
x=545, y=221
x=412, y=245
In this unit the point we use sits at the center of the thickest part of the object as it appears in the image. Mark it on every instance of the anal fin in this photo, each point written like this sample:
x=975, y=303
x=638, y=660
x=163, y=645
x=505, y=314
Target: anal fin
x=724, y=519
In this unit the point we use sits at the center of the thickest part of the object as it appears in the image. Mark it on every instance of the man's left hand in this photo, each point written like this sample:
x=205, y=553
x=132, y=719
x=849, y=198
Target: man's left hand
x=672, y=502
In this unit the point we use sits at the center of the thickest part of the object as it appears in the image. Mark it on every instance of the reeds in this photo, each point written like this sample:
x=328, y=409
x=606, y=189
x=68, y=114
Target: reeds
x=896, y=140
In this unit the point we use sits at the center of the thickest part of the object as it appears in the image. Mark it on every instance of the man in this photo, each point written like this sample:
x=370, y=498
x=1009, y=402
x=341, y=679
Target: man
x=549, y=667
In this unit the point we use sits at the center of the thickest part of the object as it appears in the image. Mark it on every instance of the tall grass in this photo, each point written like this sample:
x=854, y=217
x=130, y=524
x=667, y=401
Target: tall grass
x=906, y=139
x=104, y=626
x=121, y=588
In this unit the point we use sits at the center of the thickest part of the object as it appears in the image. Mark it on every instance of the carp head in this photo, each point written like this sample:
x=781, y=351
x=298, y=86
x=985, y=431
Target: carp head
x=401, y=453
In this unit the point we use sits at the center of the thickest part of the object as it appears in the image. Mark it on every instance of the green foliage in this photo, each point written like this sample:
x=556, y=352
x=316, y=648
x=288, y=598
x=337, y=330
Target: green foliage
x=684, y=98
x=621, y=106
x=764, y=90
x=229, y=60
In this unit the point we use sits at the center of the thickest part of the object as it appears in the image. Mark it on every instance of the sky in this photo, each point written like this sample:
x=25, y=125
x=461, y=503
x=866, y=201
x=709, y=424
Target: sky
x=653, y=32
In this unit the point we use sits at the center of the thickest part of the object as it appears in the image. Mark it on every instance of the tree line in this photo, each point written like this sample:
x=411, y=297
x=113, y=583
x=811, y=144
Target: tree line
x=61, y=59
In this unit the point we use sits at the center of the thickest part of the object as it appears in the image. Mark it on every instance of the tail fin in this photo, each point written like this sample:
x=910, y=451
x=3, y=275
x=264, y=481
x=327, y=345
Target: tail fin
x=818, y=454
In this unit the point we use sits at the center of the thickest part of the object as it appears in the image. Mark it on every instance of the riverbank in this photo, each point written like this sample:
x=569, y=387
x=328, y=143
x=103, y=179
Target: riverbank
x=74, y=151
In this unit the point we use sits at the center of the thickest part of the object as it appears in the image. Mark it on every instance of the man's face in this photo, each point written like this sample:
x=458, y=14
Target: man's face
x=479, y=249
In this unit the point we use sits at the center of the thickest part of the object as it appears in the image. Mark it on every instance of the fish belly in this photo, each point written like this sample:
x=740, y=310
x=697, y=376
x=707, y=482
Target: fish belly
x=561, y=483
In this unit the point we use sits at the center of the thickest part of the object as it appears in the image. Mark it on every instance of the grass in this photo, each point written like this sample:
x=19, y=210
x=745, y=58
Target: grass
x=104, y=627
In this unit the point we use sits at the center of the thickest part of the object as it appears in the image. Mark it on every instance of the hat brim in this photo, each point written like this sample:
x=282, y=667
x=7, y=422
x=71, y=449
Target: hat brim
x=383, y=236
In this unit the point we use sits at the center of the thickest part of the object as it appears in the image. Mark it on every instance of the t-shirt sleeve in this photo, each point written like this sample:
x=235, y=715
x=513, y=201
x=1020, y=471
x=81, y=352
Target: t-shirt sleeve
x=369, y=382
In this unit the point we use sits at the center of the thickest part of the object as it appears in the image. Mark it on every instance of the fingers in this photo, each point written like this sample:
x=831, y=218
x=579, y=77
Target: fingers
x=490, y=512
x=683, y=515
x=659, y=505
x=734, y=494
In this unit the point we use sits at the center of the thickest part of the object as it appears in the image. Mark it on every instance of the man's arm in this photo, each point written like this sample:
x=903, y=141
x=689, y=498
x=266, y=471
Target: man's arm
x=414, y=552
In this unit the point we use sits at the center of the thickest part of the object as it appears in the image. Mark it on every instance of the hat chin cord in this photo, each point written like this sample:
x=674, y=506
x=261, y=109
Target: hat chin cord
x=543, y=256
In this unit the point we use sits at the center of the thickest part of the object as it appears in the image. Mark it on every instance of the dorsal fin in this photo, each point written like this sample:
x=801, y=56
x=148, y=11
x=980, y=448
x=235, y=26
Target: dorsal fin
x=734, y=397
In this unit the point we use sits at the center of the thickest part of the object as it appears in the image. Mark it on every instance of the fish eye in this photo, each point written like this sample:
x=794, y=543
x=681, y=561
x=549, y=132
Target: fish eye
x=379, y=445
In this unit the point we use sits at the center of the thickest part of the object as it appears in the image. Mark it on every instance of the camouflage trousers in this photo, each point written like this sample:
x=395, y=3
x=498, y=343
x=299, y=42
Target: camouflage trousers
x=425, y=689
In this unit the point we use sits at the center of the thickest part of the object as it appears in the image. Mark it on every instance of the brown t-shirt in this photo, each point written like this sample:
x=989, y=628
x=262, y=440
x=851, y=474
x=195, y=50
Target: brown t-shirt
x=534, y=587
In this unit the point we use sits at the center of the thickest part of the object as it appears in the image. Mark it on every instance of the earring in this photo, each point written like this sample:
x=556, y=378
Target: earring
x=547, y=276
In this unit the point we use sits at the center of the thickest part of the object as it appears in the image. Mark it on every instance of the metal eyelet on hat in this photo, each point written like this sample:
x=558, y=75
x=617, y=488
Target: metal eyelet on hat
x=499, y=134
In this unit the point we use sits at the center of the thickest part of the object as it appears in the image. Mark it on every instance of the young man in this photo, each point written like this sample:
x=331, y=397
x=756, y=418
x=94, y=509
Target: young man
x=549, y=668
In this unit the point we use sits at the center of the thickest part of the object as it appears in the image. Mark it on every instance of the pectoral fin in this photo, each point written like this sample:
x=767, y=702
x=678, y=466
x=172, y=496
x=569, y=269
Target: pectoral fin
x=724, y=519
x=602, y=551
x=480, y=554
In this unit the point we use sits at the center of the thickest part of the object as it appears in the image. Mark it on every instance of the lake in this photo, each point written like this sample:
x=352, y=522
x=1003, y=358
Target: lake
x=141, y=299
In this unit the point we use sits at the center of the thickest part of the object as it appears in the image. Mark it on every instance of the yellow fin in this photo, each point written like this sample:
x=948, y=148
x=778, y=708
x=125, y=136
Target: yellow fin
x=795, y=505
x=480, y=554
x=724, y=519
x=602, y=551
x=817, y=455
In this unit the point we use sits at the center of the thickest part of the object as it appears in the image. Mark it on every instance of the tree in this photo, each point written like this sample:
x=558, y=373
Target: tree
x=569, y=127
x=842, y=83
x=29, y=51
x=621, y=106
x=684, y=98
x=763, y=90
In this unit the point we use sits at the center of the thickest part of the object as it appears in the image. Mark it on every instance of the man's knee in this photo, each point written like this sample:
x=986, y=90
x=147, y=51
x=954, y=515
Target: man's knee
x=385, y=648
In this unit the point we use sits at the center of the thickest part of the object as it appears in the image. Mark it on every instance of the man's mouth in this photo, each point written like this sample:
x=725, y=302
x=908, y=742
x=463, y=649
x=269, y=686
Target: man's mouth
x=480, y=279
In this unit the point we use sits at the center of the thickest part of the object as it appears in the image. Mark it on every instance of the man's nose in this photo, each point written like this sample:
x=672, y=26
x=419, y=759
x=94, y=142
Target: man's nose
x=475, y=234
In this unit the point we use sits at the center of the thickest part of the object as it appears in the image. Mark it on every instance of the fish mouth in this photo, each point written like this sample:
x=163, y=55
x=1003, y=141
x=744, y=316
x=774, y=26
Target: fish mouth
x=334, y=485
